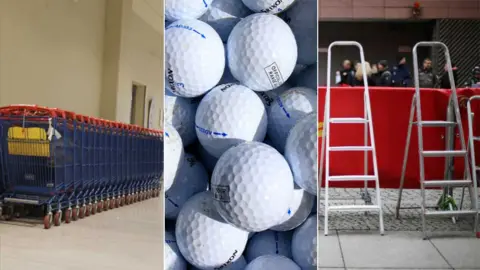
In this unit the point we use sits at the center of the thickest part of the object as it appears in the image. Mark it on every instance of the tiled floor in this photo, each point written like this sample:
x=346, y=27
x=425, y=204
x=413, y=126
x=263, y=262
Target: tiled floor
x=355, y=243
x=127, y=238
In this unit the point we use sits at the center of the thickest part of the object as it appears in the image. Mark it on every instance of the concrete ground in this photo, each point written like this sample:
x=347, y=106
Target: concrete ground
x=354, y=241
x=126, y=238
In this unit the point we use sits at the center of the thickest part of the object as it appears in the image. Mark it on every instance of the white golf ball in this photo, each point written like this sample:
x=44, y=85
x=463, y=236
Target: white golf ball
x=174, y=152
x=204, y=238
x=194, y=58
x=268, y=97
x=223, y=15
x=269, y=6
x=289, y=107
x=252, y=185
x=275, y=262
x=191, y=179
x=185, y=9
x=307, y=78
x=228, y=115
x=262, y=52
x=180, y=113
x=302, y=19
x=236, y=265
x=304, y=244
x=301, y=152
x=299, y=210
x=269, y=243
x=173, y=257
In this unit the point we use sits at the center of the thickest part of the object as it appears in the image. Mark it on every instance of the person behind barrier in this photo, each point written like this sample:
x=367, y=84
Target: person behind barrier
x=426, y=76
x=474, y=82
x=445, y=80
x=383, y=76
x=346, y=75
x=401, y=76
x=359, y=74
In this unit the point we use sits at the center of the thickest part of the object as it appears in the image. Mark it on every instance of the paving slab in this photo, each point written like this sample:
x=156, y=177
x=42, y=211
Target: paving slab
x=395, y=250
x=460, y=252
x=329, y=252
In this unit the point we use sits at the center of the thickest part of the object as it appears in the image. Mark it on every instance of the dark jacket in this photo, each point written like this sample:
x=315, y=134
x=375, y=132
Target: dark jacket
x=401, y=76
x=445, y=81
x=383, y=78
x=360, y=82
x=426, y=78
x=347, y=76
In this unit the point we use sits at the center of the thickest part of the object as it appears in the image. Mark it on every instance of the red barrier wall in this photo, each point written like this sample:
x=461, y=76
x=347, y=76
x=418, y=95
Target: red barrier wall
x=390, y=113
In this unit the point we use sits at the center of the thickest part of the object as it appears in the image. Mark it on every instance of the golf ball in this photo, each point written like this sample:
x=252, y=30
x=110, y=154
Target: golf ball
x=304, y=244
x=269, y=242
x=262, y=52
x=268, y=6
x=204, y=238
x=174, y=151
x=252, y=185
x=180, y=113
x=300, y=208
x=228, y=115
x=173, y=257
x=185, y=9
x=275, y=262
x=194, y=58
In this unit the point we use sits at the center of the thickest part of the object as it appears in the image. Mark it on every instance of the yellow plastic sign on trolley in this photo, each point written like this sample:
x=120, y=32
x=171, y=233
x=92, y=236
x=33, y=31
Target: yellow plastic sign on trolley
x=28, y=142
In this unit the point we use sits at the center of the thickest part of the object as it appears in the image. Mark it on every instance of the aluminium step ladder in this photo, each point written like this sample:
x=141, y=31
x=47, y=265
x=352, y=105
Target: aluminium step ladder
x=448, y=183
x=366, y=120
x=471, y=148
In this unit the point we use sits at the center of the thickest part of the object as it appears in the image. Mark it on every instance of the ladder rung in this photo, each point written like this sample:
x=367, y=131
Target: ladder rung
x=444, y=153
x=444, y=183
x=475, y=138
x=352, y=178
x=354, y=208
x=348, y=120
x=477, y=168
x=350, y=148
x=450, y=213
x=436, y=123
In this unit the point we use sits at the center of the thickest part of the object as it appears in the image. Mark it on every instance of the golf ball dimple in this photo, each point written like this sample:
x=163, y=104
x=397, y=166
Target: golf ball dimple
x=269, y=242
x=180, y=113
x=299, y=210
x=252, y=185
x=289, y=107
x=262, y=52
x=173, y=257
x=268, y=6
x=194, y=58
x=204, y=238
x=191, y=179
x=304, y=244
x=185, y=9
x=302, y=19
x=301, y=152
x=228, y=115
x=275, y=262
x=174, y=152
x=223, y=15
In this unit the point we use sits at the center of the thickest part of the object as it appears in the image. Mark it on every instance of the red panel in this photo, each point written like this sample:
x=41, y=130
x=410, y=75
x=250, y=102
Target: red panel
x=390, y=113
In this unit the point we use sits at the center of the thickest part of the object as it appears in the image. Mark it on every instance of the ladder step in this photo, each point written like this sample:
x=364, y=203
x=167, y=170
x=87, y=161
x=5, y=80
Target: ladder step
x=354, y=208
x=444, y=183
x=350, y=148
x=352, y=178
x=450, y=213
x=436, y=123
x=444, y=153
x=477, y=168
x=476, y=138
x=348, y=120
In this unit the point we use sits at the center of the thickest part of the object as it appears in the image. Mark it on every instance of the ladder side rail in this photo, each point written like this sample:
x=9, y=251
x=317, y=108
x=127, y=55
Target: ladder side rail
x=420, y=133
x=472, y=158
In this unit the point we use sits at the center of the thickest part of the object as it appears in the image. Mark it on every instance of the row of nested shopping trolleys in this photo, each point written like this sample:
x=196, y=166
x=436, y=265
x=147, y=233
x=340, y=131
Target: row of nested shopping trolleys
x=72, y=166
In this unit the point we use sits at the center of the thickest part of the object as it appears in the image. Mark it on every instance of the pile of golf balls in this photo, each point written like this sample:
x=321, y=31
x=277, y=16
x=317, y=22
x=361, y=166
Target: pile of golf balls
x=241, y=137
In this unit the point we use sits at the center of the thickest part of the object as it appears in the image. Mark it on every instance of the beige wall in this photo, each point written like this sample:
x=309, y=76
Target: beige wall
x=397, y=9
x=80, y=55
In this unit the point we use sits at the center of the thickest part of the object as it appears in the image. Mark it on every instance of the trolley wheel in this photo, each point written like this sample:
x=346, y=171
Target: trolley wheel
x=47, y=221
x=106, y=206
x=75, y=213
x=82, y=211
x=112, y=203
x=100, y=207
x=68, y=215
x=88, y=210
x=94, y=208
x=127, y=199
x=119, y=202
x=122, y=200
x=57, y=218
